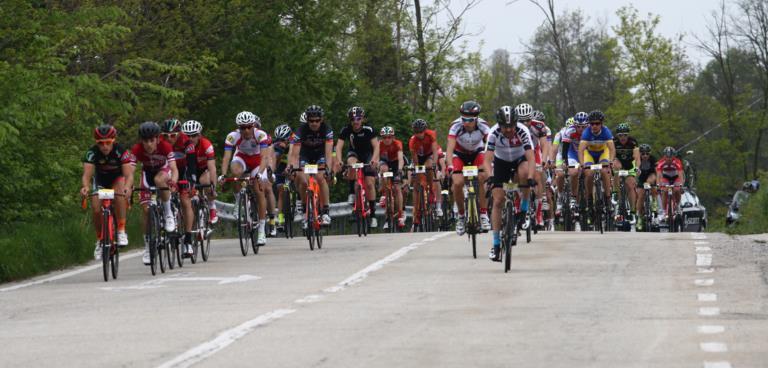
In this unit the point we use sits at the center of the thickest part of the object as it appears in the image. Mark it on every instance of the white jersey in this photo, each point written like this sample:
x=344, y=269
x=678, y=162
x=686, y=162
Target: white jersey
x=469, y=142
x=510, y=149
x=247, y=147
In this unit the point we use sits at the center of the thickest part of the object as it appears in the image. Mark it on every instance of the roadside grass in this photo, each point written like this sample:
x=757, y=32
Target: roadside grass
x=754, y=215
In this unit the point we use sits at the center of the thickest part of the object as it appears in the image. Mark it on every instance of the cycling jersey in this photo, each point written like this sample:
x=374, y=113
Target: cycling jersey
x=203, y=152
x=247, y=150
x=466, y=141
x=422, y=147
x=537, y=131
x=179, y=148
x=388, y=152
x=510, y=149
x=572, y=136
x=155, y=161
x=108, y=167
x=647, y=167
x=597, y=142
x=312, y=142
x=360, y=144
x=625, y=152
x=670, y=169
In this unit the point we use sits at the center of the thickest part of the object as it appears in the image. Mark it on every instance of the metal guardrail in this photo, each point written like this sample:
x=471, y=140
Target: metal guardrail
x=337, y=210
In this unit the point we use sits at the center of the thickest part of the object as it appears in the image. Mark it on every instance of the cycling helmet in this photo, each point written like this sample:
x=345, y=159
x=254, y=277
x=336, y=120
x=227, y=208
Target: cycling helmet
x=149, y=129
x=282, y=132
x=539, y=116
x=387, y=131
x=303, y=118
x=171, y=125
x=245, y=118
x=596, y=115
x=257, y=121
x=419, y=125
x=355, y=112
x=191, y=127
x=622, y=128
x=669, y=152
x=569, y=122
x=524, y=111
x=581, y=118
x=505, y=116
x=314, y=111
x=104, y=131
x=645, y=148
x=469, y=108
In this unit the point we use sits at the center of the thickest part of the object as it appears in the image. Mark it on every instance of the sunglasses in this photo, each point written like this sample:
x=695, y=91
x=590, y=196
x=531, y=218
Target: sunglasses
x=622, y=135
x=593, y=123
x=468, y=119
x=193, y=135
x=645, y=154
x=357, y=118
x=246, y=127
x=170, y=135
x=388, y=136
x=105, y=142
x=313, y=120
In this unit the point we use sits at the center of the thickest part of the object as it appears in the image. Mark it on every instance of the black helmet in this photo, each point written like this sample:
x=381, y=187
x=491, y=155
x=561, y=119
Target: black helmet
x=149, y=129
x=355, y=112
x=505, y=116
x=596, y=115
x=469, y=108
x=622, y=128
x=669, y=152
x=314, y=111
x=645, y=148
x=419, y=125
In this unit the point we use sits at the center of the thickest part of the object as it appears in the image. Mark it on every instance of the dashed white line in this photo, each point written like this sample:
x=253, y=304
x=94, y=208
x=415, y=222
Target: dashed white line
x=705, y=270
x=713, y=347
x=709, y=311
x=707, y=297
x=717, y=365
x=710, y=329
x=704, y=282
x=226, y=338
x=66, y=274
x=700, y=243
x=703, y=249
x=704, y=260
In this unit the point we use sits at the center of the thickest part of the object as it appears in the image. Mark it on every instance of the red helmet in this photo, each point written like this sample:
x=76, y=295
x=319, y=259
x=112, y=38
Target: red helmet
x=104, y=131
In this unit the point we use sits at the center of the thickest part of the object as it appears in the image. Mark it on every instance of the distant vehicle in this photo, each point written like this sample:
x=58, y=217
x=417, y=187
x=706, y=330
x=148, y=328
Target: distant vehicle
x=739, y=199
x=694, y=213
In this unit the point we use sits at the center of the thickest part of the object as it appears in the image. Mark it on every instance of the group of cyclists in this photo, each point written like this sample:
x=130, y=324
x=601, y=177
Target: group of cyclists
x=520, y=147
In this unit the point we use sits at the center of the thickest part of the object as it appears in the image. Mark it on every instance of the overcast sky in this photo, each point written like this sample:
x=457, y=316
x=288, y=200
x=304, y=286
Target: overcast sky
x=502, y=26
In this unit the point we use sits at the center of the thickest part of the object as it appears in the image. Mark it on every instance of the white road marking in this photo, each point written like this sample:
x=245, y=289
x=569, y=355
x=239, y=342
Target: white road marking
x=67, y=274
x=717, y=364
x=704, y=260
x=158, y=283
x=713, y=347
x=707, y=297
x=703, y=249
x=226, y=338
x=698, y=236
x=700, y=243
x=705, y=270
x=709, y=311
x=710, y=329
x=704, y=282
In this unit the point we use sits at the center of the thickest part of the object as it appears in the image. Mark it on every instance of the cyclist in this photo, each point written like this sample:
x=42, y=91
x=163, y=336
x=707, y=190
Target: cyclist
x=313, y=144
x=556, y=155
x=202, y=159
x=158, y=169
x=647, y=168
x=570, y=154
x=244, y=149
x=510, y=150
x=281, y=144
x=596, y=146
x=363, y=147
x=111, y=163
x=424, y=151
x=669, y=171
x=540, y=136
x=171, y=133
x=391, y=152
x=627, y=158
x=466, y=140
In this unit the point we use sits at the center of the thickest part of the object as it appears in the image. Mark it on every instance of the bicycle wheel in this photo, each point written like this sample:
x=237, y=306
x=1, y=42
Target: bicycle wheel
x=205, y=238
x=115, y=262
x=105, y=244
x=509, y=234
x=287, y=214
x=243, y=225
x=152, y=226
x=318, y=237
x=311, y=220
x=255, y=225
x=162, y=248
x=472, y=222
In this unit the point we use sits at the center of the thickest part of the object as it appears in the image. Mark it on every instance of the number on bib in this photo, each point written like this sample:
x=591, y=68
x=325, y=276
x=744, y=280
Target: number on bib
x=358, y=165
x=106, y=194
x=470, y=171
x=310, y=169
x=387, y=174
x=420, y=169
x=623, y=173
x=596, y=167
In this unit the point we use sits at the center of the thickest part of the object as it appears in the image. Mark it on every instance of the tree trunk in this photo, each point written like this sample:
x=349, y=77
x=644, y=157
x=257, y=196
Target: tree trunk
x=398, y=36
x=422, y=58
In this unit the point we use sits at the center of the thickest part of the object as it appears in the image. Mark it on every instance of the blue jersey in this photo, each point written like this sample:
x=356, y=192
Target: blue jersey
x=597, y=142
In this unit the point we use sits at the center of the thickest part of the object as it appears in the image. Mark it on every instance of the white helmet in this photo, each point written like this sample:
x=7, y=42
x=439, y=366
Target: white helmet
x=283, y=132
x=245, y=118
x=524, y=111
x=303, y=117
x=191, y=127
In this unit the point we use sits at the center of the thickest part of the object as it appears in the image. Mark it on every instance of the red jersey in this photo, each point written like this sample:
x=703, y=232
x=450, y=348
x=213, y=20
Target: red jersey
x=179, y=149
x=203, y=151
x=155, y=161
x=422, y=147
x=670, y=169
x=388, y=152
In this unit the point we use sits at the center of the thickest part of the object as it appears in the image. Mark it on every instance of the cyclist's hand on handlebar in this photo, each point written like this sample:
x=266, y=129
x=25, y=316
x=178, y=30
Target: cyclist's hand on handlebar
x=449, y=169
x=84, y=191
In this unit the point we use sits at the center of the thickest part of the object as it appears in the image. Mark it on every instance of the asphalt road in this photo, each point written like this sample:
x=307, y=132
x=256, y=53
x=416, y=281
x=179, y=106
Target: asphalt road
x=408, y=300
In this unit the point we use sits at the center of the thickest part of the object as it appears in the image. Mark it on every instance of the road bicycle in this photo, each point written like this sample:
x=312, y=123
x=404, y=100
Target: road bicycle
x=201, y=227
x=471, y=205
x=390, y=201
x=601, y=210
x=247, y=214
x=311, y=207
x=648, y=215
x=110, y=252
x=674, y=220
x=510, y=219
x=622, y=215
x=360, y=210
x=155, y=233
x=423, y=199
x=289, y=207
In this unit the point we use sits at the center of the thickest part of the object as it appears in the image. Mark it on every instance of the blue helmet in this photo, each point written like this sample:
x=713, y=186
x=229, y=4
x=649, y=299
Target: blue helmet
x=581, y=118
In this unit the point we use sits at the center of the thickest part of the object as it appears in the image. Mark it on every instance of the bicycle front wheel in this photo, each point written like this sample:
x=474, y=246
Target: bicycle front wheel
x=311, y=220
x=105, y=244
x=152, y=234
x=243, y=224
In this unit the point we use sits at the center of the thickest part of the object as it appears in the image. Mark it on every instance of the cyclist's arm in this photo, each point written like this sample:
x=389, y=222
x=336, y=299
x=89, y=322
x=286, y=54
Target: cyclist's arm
x=545, y=147
x=531, y=159
x=564, y=152
x=293, y=155
x=434, y=152
x=400, y=161
x=487, y=160
x=636, y=156
x=174, y=171
x=449, y=151
x=611, y=151
x=88, y=169
x=266, y=154
x=339, y=147
x=582, y=148
x=128, y=170
x=225, y=162
x=376, y=149
x=329, y=159
x=212, y=170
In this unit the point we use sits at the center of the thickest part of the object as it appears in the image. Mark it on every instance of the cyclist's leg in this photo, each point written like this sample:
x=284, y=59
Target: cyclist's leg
x=482, y=177
x=606, y=174
x=573, y=173
x=588, y=176
x=458, y=184
x=631, y=184
x=640, y=195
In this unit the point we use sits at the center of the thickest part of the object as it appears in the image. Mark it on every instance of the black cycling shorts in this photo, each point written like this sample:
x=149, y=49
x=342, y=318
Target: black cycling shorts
x=504, y=171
